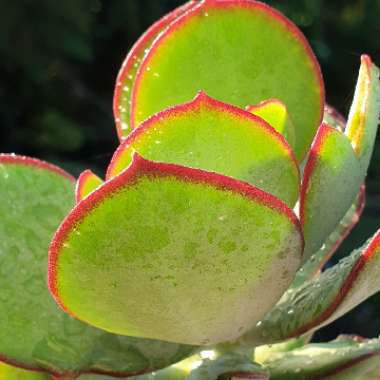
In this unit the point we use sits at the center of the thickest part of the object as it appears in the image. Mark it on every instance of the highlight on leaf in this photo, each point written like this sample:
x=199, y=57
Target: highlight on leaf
x=244, y=48
x=214, y=136
x=181, y=247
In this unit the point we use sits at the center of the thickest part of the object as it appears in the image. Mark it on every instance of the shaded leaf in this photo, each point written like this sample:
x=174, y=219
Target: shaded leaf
x=315, y=263
x=332, y=179
x=35, y=333
x=338, y=163
x=275, y=113
x=324, y=299
x=342, y=359
x=129, y=68
x=229, y=367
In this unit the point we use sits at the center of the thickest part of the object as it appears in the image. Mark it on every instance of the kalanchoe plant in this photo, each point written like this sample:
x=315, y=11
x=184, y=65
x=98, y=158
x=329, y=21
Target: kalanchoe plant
x=200, y=254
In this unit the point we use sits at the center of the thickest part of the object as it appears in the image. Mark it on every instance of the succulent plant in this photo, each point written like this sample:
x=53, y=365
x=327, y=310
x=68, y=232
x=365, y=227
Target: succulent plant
x=200, y=256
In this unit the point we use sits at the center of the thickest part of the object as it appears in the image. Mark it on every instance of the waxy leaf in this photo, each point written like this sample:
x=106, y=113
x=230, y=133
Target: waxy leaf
x=86, y=184
x=240, y=52
x=316, y=262
x=332, y=179
x=229, y=367
x=35, y=333
x=210, y=135
x=364, y=114
x=275, y=113
x=342, y=359
x=338, y=163
x=8, y=372
x=174, y=253
x=332, y=117
x=324, y=299
x=128, y=71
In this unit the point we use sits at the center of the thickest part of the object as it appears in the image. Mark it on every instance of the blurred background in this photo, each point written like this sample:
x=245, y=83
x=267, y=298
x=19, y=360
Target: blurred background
x=59, y=61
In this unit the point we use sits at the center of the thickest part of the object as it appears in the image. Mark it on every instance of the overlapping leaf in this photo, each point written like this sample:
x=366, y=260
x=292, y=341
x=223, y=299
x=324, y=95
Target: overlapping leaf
x=239, y=52
x=325, y=298
x=34, y=332
x=338, y=163
x=174, y=253
x=214, y=136
x=129, y=68
x=346, y=358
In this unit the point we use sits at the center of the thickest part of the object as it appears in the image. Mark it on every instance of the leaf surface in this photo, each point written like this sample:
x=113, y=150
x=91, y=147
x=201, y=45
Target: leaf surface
x=129, y=68
x=35, y=333
x=338, y=162
x=86, y=184
x=217, y=137
x=239, y=52
x=230, y=367
x=342, y=359
x=275, y=113
x=174, y=253
x=324, y=299
x=363, y=119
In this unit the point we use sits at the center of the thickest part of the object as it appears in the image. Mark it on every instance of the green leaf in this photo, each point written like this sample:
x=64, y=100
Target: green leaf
x=332, y=117
x=364, y=114
x=315, y=263
x=324, y=299
x=332, y=179
x=86, y=184
x=8, y=372
x=230, y=366
x=35, y=333
x=346, y=358
x=338, y=163
x=178, y=371
x=239, y=52
x=174, y=253
x=263, y=353
x=214, y=136
x=275, y=113
x=129, y=68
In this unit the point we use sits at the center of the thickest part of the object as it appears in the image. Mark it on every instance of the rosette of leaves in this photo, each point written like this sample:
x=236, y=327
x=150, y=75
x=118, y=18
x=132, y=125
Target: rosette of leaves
x=233, y=185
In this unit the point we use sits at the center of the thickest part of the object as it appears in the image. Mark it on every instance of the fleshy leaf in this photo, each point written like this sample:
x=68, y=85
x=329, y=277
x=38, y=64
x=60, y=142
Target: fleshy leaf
x=324, y=299
x=86, y=184
x=35, y=333
x=342, y=359
x=364, y=115
x=127, y=73
x=217, y=137
x=275, y=113
x=315, y=263
x=8, y=372
x=332, y=117
x=239, y=52
x=177, y=371
x=202, y=248
x=263, y=353
x=229, y=367
x=332, y=179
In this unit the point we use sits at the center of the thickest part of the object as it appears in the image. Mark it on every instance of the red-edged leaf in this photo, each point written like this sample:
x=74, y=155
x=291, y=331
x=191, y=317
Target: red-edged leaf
x=86, y=184
x=214, y=136
x=129, y=68
x=176, y=253
x=238, y=51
